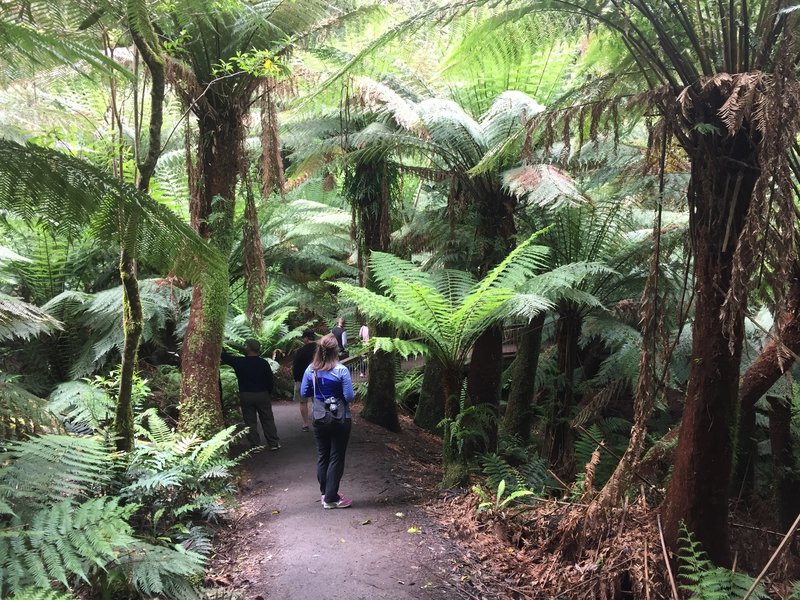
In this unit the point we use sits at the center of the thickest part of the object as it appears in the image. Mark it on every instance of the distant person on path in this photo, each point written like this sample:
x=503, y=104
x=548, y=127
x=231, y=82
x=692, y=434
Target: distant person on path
x=302, y=359
x=341, y=337
x=327, y=379
x=255, y=387
x=363, y=335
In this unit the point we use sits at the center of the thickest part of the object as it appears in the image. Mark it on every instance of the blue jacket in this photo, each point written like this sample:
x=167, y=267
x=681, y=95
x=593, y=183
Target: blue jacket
x=335, y=383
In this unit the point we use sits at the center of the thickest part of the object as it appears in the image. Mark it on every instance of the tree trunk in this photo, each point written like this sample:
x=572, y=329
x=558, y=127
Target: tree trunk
x=559, y=431
x=455, y=470
x=380, y=406
x=221, y=134
x=132, y=314
x=369, y=185
x=719, y=197
x=775, y=360
x=132, y=326
x=787, y=483
x=519, y=411
x=483, y=385
x=430, y=410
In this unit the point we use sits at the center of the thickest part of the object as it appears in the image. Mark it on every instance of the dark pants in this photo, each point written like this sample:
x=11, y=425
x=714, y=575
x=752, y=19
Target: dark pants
x=331, y=447
x=258, y=405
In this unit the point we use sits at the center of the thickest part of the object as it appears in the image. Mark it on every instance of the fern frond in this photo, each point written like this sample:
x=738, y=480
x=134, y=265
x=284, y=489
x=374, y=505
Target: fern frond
x=71, y=193
x=53, y=467
x=20, y=319
x=22, y=413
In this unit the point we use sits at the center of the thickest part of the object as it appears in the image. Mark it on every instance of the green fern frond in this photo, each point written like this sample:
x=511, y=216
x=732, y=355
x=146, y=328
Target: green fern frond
x=53, y=467
x=40, y=594
x=405, y=348
x=23, y=414
x=22, y=320
x=71, y=193
x=705, y=581
x=82, y=404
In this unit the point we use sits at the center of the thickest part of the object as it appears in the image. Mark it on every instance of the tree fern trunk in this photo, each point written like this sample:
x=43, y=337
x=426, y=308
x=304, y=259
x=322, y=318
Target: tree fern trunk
x=698, y=491
x=483, y=385
x=369, y=186
x=559, y=431
x=221, y=134
x=430, y=410
x=518, y=419
x=455, y=471
x=380, y=405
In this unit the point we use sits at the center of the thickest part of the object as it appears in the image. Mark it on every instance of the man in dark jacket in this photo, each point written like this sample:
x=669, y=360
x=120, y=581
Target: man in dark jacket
x=255, y=387
x=302, y=359
x=341, y=337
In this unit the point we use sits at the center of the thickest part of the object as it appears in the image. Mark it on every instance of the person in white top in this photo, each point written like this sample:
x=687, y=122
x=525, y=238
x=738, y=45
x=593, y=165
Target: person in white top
x=363, y=335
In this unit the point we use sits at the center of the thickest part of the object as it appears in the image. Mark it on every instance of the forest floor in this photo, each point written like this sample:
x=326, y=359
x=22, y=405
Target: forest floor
x=281, y=544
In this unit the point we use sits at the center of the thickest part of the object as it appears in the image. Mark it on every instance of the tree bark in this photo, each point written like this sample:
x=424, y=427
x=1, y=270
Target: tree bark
x=787, y=483
x=559, y=431
x=454, y=467
x=773, y=362
x=518, y=419
x=430, y=410
x=369, y=185
x=380, y=406
x=483, y=385
x=221, y=134
x=719, y=197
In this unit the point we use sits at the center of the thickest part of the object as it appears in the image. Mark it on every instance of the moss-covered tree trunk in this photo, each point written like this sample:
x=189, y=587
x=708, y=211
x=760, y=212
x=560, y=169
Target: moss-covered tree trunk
x=430, y=410
x=719, y=197
x=221, y=134
x=132, y=313
x=518, y=419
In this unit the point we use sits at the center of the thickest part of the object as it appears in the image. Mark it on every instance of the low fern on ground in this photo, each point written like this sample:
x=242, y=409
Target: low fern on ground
x=705, y=581
x=60, y=526
x=531, y=475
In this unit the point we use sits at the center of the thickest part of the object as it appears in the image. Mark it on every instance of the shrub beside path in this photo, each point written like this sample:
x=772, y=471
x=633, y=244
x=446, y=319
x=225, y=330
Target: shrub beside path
x=281, y=544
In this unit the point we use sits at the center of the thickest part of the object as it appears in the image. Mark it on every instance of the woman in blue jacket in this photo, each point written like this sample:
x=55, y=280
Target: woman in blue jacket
x=328, y=382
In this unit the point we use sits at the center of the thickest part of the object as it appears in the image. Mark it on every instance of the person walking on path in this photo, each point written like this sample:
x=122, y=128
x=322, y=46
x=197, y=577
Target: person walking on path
x=303, y=358
x=363, y=334
x=341, y=337
x=326, y=379
x=255, y=388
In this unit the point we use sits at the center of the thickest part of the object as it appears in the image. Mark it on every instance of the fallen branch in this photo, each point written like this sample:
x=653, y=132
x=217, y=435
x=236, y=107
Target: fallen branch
x=666, y=560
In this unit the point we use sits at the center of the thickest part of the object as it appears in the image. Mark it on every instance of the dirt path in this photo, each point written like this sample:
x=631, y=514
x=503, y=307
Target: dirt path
x=282, y=545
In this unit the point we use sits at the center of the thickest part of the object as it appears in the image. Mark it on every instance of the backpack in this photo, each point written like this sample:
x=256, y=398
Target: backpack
x=327, y=411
